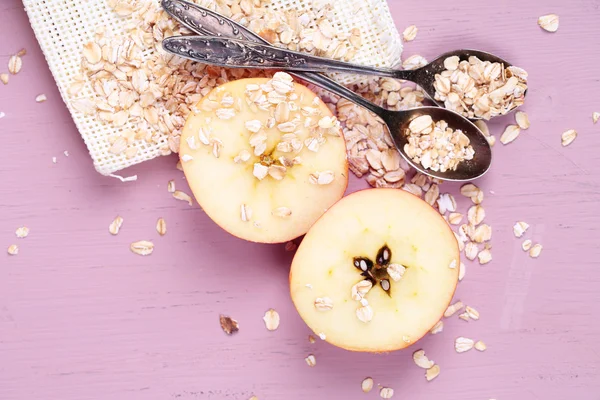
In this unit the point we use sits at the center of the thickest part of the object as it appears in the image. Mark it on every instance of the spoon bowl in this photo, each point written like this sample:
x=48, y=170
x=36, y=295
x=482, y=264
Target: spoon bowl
x=466, y=170
x=425, y=75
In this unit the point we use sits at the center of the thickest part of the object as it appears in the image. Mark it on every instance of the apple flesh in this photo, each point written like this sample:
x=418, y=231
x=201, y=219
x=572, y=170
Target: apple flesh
x=385, y=238
x=264, y=158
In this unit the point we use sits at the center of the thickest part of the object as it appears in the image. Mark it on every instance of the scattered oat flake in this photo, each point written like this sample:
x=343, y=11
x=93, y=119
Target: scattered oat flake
x=510, y=133
x=461, y=272
x=414, y=62
x=549, y=22
x=485, y=256
x=325, y=177
x=535, y=251
x=446, y=202
x=473, y=313
x=432, y=194
x=432, y=373
x=14, y=64
x=41, y=98
x=463, y=344
x=92, y=52
x=469, y=190
x=323, y=303
x=386, y=393
x=522, y=120
x=464, y=316
x=471, y=250
x=396, y=271
x=260, y=171
x=367, y=385
x=478, y=198
x=453, y=308
x=455, y=218
x=311, y=339
x=271, y=319
x=311, y=361
x=225, y=113
x=22, y=232
x=595, y=117
x=421, y=359
x=526, y=245
x=4, y=78
x=520, y=228
x=142, y=247
x=476, y=214
x=179, y=195
x=13, y=250
x=245, y=212
x=568, y=137
x=365, y=313
x=115, y=225
x=85, y=106
x=480, y=346
x=410, y=33
x=322, y=336
x=171, y=186
x=228, y=324
x=483, y=127
x=161, y=226
x=437, y=328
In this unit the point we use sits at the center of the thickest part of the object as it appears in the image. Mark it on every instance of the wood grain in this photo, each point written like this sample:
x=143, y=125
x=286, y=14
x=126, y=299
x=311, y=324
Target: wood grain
x=81, y=317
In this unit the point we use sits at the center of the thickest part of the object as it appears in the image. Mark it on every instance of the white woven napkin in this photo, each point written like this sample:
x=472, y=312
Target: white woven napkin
x=62, y=27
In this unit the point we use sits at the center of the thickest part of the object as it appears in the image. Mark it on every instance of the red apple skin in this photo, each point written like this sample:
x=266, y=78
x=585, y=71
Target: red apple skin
x=455, y=283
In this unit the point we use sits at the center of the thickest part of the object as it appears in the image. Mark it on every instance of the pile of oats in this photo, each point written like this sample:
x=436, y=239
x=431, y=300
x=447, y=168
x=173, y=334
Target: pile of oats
x=157, y=91
x=371, y=151
x=435, y=145
x=481, y=89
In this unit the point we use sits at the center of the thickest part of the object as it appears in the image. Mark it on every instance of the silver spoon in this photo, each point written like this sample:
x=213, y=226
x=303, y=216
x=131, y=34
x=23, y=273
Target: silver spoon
x=234, y=53
x=205, y=21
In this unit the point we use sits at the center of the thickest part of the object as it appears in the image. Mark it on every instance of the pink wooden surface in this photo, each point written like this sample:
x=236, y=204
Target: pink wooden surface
x=81, y=317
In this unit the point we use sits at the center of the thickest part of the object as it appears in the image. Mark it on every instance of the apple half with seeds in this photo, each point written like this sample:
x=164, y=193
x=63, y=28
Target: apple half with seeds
x=264, y=158
x=376, y=271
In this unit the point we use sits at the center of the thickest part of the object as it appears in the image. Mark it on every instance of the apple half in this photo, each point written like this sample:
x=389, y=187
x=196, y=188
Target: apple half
x=376, y=271
x=264, y=158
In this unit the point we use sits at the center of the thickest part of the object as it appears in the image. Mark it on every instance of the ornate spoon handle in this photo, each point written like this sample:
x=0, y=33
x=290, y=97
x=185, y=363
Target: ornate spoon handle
x=235, y=53
x=207, y=22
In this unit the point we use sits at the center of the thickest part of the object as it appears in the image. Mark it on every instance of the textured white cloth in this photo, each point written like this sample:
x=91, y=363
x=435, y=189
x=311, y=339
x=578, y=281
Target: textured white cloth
x=62, y=27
